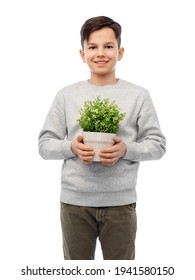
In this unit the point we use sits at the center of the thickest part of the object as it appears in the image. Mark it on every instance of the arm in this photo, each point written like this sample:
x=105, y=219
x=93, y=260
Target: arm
x=52, y=138
x=150, y=143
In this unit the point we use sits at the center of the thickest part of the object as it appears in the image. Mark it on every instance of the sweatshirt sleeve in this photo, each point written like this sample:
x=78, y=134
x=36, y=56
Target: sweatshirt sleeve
x=150, y=143
x=52, y=142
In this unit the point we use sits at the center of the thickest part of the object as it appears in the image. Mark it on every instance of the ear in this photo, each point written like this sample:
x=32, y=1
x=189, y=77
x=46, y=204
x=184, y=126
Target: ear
x=82, y=54
x=120, y=53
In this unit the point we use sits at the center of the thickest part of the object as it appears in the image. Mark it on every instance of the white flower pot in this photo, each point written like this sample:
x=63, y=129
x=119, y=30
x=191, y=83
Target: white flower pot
x=98, y=140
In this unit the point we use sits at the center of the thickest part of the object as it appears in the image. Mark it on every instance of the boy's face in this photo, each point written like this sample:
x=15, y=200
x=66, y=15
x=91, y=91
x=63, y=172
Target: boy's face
x=101, y=52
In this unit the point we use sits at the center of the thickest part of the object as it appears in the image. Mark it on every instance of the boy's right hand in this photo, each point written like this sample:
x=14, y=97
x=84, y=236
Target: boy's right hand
x=85, y=153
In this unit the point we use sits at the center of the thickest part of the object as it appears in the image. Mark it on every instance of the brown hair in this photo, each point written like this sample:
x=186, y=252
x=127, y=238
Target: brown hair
x=97, y=23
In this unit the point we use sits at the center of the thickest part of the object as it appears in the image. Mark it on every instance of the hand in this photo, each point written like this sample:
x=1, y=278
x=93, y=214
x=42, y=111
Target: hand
x=84, y=152
x=109, y=156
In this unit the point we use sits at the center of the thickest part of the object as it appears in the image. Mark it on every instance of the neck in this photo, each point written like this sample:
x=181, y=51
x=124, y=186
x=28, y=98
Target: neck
x=102, y=80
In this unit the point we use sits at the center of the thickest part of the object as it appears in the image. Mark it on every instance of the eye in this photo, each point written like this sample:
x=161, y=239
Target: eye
x=92, y=48
x=109, y=47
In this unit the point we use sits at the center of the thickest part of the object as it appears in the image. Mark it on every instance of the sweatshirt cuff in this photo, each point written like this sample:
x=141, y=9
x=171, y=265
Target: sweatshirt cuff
x=132, y=151
x=65, y=149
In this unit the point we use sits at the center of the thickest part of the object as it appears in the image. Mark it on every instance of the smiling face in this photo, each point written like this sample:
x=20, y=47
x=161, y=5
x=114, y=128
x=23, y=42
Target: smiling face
x=101, y=53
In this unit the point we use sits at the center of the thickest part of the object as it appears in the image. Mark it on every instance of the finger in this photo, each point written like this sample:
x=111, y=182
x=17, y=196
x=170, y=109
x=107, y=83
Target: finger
x=86, y=162
x=111, y=149
x=117, y=139
x=108, y=155
x=108, y=162
x=86, y=159
x=84, y=153
x=79, y=138
x=81, y=145
x=84, y=147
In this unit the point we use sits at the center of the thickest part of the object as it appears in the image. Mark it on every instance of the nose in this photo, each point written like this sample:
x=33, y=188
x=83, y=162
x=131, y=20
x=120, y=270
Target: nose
x=100, y=52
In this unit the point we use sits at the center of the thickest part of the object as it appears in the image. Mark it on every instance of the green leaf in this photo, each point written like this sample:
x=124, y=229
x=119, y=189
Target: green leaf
x=100, y=116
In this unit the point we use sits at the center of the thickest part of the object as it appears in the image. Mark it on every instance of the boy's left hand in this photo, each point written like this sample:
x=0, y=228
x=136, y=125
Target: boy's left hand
x=109, y=156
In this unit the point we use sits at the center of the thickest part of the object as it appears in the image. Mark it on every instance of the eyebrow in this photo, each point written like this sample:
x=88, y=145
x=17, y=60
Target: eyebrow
x=107, y=43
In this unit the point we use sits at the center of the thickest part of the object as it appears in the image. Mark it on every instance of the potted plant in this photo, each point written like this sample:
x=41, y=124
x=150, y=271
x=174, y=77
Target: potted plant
x=99, y=120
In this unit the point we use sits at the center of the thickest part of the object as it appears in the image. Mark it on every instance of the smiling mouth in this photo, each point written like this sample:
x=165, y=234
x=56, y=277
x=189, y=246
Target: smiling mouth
x=101, y=62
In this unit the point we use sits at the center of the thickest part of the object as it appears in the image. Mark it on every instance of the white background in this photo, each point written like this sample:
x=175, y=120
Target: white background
x=40, y=44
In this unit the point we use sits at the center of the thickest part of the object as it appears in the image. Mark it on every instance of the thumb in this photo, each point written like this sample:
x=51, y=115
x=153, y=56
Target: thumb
x=117, y=139
x=79, y=138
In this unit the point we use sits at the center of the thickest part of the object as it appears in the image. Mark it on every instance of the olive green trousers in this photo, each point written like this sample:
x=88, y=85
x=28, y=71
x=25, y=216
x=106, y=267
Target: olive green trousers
x=114, y=226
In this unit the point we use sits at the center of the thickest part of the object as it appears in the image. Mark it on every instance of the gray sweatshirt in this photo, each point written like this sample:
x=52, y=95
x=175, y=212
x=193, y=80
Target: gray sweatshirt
x=97, y=185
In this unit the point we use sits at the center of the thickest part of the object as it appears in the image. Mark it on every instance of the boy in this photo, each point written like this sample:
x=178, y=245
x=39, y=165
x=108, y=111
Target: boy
x=98, y=199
